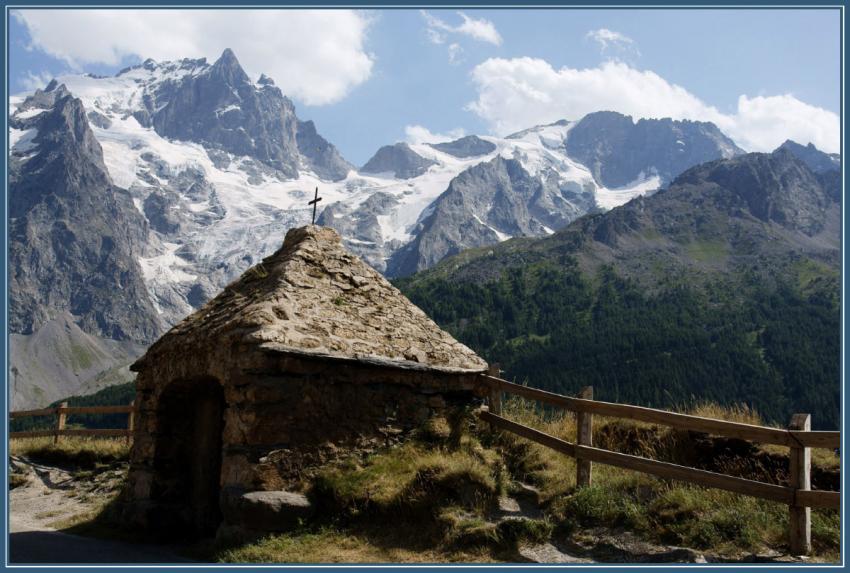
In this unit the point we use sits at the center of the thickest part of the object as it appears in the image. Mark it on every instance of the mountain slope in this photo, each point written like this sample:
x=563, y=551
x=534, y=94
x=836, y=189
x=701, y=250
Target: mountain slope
x=724, y=287
x=60, y=360
x=216, y=165
x=221, y=167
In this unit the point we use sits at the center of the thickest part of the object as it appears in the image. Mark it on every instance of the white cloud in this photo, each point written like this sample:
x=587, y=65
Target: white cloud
x=455, y=54
x=34, y=81
x=517, y=93
x=609, y=39
x=762, y=123
x=482, y=30
x=419, y=134
x=317, y=56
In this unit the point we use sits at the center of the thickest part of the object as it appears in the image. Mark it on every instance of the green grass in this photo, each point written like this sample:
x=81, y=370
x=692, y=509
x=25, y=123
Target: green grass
x=427, y=500
x=409, y=479
x=650, y=234
x=809, y=271
x=336, y=545
x=72, y=451
x=707, y=251
x=657, y=510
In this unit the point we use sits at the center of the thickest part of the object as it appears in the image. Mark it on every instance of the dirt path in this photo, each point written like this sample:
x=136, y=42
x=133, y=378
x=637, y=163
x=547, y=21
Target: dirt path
x=51, y=495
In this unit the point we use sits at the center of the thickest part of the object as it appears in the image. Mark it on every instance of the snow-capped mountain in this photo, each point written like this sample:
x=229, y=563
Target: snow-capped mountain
x=480, y=190
x=204, y=170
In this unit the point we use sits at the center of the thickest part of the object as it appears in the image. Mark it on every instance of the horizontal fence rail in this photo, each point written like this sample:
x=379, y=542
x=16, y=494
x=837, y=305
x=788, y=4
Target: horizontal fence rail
x=761, y=434
x=61, y=413
x=798, y=437
x=73, y=410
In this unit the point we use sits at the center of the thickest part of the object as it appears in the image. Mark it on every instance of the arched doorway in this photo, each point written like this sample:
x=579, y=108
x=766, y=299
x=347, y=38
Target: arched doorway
x=187, y=461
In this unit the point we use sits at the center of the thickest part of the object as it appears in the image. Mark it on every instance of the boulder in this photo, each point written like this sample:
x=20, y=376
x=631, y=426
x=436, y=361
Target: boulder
x=264, y=510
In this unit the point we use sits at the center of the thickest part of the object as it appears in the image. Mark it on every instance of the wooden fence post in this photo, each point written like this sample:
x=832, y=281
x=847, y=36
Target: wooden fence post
x=800, y=522
x=60, y=421
x=584, y=437
x=495, y=393
x=131, y=420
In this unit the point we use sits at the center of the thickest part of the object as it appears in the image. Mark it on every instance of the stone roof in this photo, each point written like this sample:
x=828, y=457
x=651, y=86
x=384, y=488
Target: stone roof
x=312, y=297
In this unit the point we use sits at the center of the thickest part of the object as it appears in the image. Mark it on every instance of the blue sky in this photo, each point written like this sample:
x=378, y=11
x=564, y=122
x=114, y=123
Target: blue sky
x=372, y=78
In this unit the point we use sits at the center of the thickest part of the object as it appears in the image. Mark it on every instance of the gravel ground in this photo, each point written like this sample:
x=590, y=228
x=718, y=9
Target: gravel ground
x=51, y=495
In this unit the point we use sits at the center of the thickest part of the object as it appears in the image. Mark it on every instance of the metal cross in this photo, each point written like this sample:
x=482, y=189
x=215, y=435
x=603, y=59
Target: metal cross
x=315, y=200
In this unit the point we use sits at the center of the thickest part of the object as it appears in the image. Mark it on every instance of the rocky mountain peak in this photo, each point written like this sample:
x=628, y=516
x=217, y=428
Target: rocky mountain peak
x=219, y=107
x=228, y=69
x=398, y=159
x=469, y=146
x=815, y=159
x=265, y=80
x=60, y=143
x=488, y=203
x=228, y=57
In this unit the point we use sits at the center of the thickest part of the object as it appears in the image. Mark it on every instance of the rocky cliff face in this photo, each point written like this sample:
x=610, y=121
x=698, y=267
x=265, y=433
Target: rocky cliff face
x=75, y=238
x=618, y=151
x=79, y=309
x=318, y=155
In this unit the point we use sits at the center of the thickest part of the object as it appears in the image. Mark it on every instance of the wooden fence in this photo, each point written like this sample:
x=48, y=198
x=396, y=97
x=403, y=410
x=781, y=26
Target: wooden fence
x=61, y=413
x=798, y=437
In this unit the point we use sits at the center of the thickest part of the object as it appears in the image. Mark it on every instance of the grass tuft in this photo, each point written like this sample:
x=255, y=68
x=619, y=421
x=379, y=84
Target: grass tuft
x=410, y=479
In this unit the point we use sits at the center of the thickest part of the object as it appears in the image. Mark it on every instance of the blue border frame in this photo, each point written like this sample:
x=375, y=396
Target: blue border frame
x=409, y=4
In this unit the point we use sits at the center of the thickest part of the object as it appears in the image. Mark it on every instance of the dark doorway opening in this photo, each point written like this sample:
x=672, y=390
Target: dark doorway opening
x=187, y=462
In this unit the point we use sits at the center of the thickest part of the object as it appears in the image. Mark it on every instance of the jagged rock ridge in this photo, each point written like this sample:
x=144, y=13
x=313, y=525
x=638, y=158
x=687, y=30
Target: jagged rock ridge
x=617, y=150
x=221, y=108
